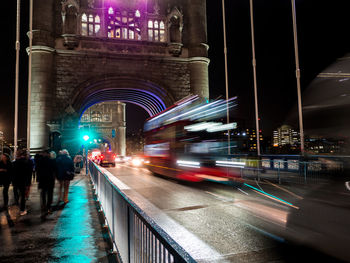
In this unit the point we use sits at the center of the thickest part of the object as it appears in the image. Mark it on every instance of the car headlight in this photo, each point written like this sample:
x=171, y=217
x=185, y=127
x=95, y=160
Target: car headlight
x=136, y=162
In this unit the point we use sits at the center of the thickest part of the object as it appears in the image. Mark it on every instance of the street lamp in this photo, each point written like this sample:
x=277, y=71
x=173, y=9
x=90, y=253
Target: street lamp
x=15, y=135
x=86, y=137
x=297, y=74
x=255, y=81
x=226, y=74
x=30, y=35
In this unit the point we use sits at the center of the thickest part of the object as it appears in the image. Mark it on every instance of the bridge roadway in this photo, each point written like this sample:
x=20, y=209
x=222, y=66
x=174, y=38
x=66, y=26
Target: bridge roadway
x=221, y=223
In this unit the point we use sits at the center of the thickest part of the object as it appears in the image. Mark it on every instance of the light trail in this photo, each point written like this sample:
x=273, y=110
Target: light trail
x=271, y=196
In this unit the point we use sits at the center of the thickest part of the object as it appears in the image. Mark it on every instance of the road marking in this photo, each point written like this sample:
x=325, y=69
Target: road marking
x=271, y=196
x=222, y=198
x=283, y=189
x=258, y=185
x=242, y=191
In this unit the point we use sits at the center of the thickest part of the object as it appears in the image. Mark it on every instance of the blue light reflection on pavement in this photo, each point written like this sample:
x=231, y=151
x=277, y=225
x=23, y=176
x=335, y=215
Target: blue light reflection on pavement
x=267, y=194
x=74, y=232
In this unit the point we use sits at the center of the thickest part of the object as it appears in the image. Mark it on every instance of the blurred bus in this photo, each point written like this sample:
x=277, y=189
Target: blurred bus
x=188, y=141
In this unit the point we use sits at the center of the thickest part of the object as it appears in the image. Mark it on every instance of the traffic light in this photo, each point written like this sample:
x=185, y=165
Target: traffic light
x=85, y=133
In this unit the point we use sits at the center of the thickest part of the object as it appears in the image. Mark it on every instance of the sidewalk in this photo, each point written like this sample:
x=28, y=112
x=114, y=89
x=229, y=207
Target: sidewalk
x=72, y=233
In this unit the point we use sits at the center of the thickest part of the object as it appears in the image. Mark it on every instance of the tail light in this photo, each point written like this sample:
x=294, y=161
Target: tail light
x=102, y=157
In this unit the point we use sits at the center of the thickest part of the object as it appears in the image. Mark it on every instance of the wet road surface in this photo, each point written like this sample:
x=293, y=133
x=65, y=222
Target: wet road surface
x=220, y=223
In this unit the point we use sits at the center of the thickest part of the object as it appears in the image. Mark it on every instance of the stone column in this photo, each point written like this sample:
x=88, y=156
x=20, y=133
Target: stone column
x=41, y=97
x=196, y=40
x=119, y=124
x=42, y=71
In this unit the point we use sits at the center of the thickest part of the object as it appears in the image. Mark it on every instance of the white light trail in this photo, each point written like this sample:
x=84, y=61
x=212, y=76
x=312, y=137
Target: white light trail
x=188, y=164
x=224, y=127
x=230, y=164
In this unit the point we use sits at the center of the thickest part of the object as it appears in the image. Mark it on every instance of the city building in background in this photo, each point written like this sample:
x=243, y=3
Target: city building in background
x=245, y=140
x=286, y=135
x=319, y=145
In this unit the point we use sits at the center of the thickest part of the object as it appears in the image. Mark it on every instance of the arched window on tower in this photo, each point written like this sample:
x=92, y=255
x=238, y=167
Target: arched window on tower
x=84, y=25
x=156, y=30
x=96, y=116
x=90, y=25
x=124, y=24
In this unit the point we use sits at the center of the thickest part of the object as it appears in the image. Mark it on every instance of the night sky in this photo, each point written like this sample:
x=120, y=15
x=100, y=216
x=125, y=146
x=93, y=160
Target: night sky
x=323, y=30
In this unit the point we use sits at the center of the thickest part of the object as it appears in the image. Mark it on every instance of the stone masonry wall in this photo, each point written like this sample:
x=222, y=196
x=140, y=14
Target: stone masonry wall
x=74, y=69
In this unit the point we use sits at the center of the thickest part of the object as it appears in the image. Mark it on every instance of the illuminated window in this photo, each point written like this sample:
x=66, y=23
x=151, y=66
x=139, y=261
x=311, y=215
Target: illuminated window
x=96, y=116
x=85, y=118
x=156, y=30
x=84, y=25
x=124, y=24
x=106, y=117
x=90, y=25
x=137, y=13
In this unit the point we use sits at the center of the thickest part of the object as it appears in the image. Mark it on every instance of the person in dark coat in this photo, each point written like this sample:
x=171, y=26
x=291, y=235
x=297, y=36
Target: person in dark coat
x=22, y=178
x=65, y=173
x=5, y=177
x=45, y=172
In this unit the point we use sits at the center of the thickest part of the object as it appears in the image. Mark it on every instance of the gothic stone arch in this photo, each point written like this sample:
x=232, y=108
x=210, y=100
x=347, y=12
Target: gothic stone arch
x=70, y=71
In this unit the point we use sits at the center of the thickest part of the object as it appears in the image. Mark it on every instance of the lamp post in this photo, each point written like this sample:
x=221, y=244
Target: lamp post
x=226, y=74
x=30, y=35
x=15, y=135
x=85, y=138
x=255, y=81
x=297, y=74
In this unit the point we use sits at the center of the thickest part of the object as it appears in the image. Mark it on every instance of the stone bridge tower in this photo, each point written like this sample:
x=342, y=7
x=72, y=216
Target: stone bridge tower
x=147, y=52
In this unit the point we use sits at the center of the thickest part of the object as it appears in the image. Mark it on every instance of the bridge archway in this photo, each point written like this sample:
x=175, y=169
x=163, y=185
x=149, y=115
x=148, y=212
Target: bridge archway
x=144, y=93
x=150, y=96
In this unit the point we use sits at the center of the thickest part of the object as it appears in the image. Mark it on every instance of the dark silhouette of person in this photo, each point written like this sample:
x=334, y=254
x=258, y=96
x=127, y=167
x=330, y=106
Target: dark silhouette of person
x=45, y=172
x=22, y=178
x=5, y=177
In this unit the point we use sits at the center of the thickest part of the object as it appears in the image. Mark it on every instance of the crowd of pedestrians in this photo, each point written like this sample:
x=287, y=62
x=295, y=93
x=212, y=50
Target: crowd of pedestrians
x=45, y=168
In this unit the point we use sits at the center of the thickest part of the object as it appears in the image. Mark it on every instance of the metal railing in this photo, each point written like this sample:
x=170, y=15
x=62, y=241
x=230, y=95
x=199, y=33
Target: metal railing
x=136, y=237
x=290, y=170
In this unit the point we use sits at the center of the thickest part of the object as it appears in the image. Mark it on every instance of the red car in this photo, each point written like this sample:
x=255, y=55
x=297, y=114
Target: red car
x=107, y=159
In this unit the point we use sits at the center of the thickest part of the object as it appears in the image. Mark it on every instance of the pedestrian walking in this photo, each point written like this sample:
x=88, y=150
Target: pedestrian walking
x=36, y=158
x=77, y=163
x=45, y=172
x=5, y=177
x=22, y=178
x=65, y=173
